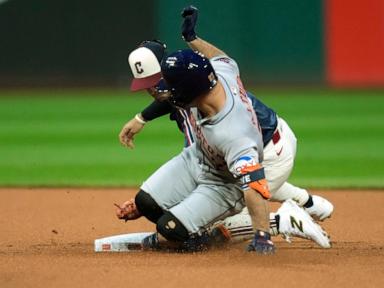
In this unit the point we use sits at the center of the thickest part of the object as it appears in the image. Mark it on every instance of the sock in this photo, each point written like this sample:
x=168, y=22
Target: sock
x=309, y=203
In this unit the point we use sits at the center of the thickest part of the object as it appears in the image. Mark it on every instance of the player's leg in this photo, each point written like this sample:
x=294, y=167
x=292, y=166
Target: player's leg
x=289, y=220
x=148, y=207
x=169, y=185
x=184, y=225
x=318, y=207
x=278, y=163
x=172, y=235
x=279, y=158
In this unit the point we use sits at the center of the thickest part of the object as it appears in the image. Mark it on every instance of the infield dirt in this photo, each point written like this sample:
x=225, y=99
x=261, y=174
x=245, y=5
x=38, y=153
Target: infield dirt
x=47, y=241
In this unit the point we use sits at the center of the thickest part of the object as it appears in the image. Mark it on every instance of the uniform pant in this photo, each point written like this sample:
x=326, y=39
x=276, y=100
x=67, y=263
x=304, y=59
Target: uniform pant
x=195, y=197
x=278, y=163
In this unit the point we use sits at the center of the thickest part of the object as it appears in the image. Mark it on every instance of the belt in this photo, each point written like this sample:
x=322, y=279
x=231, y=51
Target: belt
x=276, y=136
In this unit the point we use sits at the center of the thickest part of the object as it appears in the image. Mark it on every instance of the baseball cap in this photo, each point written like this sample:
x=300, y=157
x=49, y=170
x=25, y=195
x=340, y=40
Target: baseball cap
x=145, y=64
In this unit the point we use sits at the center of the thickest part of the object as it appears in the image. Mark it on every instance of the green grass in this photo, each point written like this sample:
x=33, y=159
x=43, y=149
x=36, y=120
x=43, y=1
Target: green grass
x=69, y=137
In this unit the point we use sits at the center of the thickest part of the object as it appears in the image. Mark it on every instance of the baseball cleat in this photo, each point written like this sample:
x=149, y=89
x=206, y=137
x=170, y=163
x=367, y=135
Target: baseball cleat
x=321, y=208
x=219, y=234
x=296, y=222
x=151, y=242
x=196, y=243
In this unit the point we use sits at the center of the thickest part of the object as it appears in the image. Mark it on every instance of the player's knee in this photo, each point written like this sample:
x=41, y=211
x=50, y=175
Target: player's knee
x=148, y=207
x=171, y=228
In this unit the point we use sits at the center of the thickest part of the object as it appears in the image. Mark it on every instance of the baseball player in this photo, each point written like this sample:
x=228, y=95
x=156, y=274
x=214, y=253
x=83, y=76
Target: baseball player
x=279, y=141
x=216, y=162
x=220, y=172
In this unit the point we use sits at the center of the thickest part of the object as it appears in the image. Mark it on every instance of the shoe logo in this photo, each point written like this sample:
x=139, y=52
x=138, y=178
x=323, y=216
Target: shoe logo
x=297, y=224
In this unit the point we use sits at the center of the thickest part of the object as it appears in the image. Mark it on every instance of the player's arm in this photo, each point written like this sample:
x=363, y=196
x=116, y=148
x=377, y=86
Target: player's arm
x=242, y=159
x=256, y=194
x=258, y=209
x=206, y=48
x=189, y=35
x=155, y=110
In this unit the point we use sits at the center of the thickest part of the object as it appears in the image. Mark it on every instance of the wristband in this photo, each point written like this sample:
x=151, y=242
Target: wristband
x=139, y=119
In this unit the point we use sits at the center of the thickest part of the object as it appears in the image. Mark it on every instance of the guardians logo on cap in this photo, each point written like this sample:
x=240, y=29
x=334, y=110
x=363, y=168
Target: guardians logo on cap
x=145, y=64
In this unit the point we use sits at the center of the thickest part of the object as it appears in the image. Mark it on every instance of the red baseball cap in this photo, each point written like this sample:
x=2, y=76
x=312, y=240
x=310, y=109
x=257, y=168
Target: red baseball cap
x=145, y=64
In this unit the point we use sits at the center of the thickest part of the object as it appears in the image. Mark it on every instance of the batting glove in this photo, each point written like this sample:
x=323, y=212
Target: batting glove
x=261, y=243
x=188, y=27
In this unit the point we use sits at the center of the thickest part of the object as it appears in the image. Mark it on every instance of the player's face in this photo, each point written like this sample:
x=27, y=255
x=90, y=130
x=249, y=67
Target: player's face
x=152, y=91
x=159, y=96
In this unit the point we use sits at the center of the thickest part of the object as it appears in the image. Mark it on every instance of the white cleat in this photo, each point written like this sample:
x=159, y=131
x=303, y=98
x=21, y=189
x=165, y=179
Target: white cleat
x=321, y=208
x=296, y=222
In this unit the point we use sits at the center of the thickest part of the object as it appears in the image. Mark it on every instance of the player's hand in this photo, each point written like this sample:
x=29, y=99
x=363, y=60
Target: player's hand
x=129, y=131
x=262, y=243
x=127, y=210
x=189, y=14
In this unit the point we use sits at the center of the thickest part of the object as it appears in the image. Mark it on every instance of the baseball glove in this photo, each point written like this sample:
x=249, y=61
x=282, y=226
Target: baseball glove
x=127, y=210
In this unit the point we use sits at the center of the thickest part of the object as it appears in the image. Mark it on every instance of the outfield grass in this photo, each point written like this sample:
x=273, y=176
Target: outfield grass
x=69, y=138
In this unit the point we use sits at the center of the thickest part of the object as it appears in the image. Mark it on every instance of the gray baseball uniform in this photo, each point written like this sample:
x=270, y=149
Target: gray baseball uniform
x=201, y=184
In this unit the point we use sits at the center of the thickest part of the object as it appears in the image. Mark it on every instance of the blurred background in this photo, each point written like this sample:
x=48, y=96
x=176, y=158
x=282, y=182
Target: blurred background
x=64, y=84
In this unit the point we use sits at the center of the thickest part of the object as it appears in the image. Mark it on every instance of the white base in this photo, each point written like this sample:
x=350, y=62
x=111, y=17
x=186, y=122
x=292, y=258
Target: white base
x=121, y=243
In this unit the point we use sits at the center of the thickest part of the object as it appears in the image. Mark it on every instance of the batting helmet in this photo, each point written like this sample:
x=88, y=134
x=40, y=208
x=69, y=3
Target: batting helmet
x=188, y=74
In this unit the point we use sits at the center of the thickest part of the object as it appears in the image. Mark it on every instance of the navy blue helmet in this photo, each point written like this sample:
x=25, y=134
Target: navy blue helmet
x=188, y=74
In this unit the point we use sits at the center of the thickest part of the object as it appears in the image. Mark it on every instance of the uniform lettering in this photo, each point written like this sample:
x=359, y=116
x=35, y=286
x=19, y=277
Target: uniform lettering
x=138, y=67
x=297, y=225
x=244, y=99
x=215, y=158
